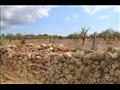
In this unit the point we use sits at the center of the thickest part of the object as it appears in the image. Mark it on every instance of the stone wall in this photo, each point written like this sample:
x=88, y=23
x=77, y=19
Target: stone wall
x=61, y=66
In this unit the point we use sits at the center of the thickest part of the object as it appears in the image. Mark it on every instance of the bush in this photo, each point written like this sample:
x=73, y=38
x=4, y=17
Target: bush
x=2, y=40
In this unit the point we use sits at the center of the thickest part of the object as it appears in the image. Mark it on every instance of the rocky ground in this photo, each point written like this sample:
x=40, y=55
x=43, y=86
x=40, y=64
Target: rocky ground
x=58, y=64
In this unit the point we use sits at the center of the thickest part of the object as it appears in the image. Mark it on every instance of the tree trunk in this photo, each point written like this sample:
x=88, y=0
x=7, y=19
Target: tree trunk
x=118, y=37
x=83, y=41
x=104, y=38
x=50, y=40
x=94, y=42
x=109, y=39
x=10, y=40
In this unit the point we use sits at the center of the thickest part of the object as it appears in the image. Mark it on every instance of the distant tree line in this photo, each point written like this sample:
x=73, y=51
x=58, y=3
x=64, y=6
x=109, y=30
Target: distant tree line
x=107, y=35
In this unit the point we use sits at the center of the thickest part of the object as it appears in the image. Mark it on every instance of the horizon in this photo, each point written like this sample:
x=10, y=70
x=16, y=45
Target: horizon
x=58, y=20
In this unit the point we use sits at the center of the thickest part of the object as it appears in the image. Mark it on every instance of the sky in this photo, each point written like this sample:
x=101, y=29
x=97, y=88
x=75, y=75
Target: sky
x=58, y=19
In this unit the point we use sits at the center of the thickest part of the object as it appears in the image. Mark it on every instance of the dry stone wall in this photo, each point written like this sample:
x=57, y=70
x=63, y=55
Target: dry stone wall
x=56, y=64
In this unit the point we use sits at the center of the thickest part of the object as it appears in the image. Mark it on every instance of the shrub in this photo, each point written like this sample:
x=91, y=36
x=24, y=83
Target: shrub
x=2, y=40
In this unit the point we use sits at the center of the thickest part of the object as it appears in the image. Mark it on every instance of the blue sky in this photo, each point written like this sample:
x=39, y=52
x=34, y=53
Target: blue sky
x=60, y=20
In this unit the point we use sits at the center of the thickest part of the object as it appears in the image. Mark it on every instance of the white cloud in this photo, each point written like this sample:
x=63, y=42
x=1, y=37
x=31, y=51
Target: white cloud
x=72, y=18
x=17, y=15
x=103, y=17
x=67, y=18
x=92, y=10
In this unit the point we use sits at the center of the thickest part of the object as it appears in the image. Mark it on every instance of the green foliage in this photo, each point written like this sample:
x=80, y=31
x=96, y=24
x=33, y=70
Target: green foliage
x=109, y=33
x=18, y=36
x=117, y=34
x=9, y=36
x=74, y=36
x=2, y=40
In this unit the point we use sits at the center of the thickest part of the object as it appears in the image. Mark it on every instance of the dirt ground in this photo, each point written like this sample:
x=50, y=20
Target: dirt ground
x=70, y=43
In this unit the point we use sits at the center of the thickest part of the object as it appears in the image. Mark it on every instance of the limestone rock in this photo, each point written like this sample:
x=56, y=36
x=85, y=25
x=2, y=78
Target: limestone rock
x=61, y=47
x=117, y=73
x=69, y=77
x=107, y=76
x=44, y=46
x=113, y=55
x=78, y=54
x=114, y=65
x=97, y=74
x=111, y=72
x=68, y=55
x=51, y=49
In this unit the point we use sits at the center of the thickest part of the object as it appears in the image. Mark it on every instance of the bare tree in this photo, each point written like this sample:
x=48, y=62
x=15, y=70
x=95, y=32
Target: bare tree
x=84, y=34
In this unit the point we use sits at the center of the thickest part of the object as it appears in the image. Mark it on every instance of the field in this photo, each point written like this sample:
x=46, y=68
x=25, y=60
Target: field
x=60, y=62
